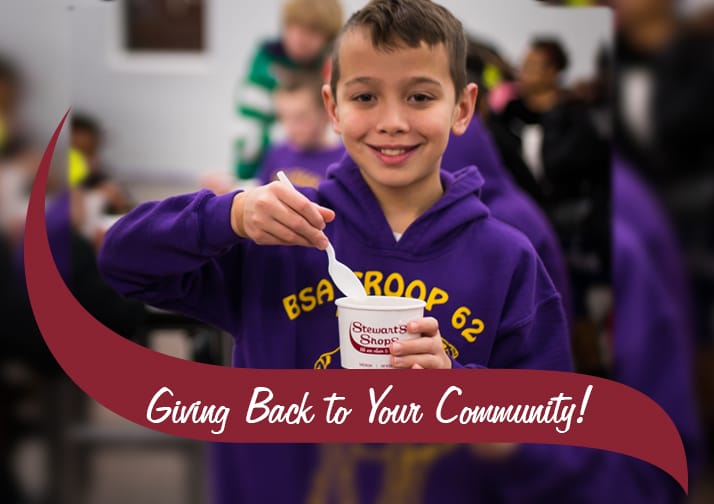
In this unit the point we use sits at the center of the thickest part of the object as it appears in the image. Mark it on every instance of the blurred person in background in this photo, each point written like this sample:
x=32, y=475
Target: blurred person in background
x=653, y=344
x=308, y=29
x=310, y=145
x=491, y=72
x=649, y=348
x=644, y=30
x=30, y=379
x=651, y=339
x=76, y=214
x=518, y=126
x=26, y=365
x=663, y=123
x=86, y=137
x=18, y=160
x=546, y=133
x=554, y=142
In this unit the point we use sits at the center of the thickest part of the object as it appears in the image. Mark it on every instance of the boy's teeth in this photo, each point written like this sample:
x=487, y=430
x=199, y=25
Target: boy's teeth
x=392, y=152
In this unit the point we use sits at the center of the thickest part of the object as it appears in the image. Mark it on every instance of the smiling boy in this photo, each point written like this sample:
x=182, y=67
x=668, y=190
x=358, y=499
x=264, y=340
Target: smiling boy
x=395, y=114
x=398, y=89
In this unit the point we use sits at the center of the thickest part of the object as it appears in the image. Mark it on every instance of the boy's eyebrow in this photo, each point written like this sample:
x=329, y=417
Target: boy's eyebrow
x=424, y=80
x=412, y=80
x=359, y=80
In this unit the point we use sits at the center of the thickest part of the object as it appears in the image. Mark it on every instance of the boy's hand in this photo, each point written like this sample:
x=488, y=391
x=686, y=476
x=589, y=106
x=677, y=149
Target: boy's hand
x=274, y=214
x=421, y=353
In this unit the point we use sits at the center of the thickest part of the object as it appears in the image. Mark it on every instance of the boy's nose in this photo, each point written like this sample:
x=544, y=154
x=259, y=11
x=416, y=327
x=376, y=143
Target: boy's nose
x=392, y=120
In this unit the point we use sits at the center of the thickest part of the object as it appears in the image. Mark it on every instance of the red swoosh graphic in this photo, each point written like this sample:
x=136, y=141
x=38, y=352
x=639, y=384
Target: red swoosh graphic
x=124, y=377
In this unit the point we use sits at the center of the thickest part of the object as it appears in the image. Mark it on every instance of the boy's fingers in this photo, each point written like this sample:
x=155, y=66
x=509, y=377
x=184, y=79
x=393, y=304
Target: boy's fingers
x=327, y=214
x=416, y=346
x=303, y=206
x=290, y=236
x=427, y=326
x=280, y=235
x=279, y=215
x=295, y=222
x=426, y=361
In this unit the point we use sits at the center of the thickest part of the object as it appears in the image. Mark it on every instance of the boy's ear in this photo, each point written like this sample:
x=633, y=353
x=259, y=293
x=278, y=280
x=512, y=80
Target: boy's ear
x=464, y=110
x=331, y=107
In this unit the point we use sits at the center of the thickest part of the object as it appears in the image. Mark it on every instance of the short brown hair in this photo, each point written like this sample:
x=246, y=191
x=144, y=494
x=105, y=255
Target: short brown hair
x=299, y=80
x=323, y=16
x=395, y=23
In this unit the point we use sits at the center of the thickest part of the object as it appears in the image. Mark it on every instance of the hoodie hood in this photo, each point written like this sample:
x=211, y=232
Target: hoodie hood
x=476, y=147
x=346, y=191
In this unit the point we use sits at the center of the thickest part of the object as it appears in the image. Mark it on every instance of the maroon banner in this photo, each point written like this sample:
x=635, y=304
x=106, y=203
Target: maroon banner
x=216, y=403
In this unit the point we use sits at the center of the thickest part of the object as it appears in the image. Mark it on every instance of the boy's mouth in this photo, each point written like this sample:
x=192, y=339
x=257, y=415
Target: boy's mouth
x=393, y=154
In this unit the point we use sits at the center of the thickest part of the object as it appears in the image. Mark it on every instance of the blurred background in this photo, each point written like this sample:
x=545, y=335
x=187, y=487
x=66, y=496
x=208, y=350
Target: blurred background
x=595, y=124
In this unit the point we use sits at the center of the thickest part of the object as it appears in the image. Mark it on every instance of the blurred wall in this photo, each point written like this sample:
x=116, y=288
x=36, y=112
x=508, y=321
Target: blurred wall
x=34, y=34
x=173, y=117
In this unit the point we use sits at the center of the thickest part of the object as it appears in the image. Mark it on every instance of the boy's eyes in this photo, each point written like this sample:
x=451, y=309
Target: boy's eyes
x=415, y=98
x=363, y=97
x=420, y=98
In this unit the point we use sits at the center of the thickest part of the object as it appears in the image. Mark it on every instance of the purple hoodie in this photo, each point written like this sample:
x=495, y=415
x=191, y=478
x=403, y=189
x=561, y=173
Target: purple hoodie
x=651, y=352
x=306, y=164
x=654, y=335
x=508, y=202
x=182, y=254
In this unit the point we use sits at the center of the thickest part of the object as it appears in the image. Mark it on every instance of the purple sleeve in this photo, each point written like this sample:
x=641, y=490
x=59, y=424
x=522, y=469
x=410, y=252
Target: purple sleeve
x=533, y=333
x=538, y=342
x=177, y=254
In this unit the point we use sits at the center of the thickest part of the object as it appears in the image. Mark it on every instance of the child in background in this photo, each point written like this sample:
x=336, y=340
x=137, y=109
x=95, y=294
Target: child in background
x=86, y=138
x=309, y=147
x=308, y=29
x=398, y=88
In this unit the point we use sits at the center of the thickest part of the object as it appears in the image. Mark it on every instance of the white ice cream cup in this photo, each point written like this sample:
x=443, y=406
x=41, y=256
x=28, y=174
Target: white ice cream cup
x=369, y=326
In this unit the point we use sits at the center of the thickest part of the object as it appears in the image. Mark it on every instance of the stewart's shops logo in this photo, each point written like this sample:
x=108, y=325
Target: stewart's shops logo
x=374, y=340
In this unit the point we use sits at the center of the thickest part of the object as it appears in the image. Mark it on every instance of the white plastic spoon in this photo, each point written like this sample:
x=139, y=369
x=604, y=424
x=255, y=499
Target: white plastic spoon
x=343, y=277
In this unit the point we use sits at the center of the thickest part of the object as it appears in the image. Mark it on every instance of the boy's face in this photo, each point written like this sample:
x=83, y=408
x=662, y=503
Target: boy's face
x=302, y=43
x=395, y=110
x=303, y=119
